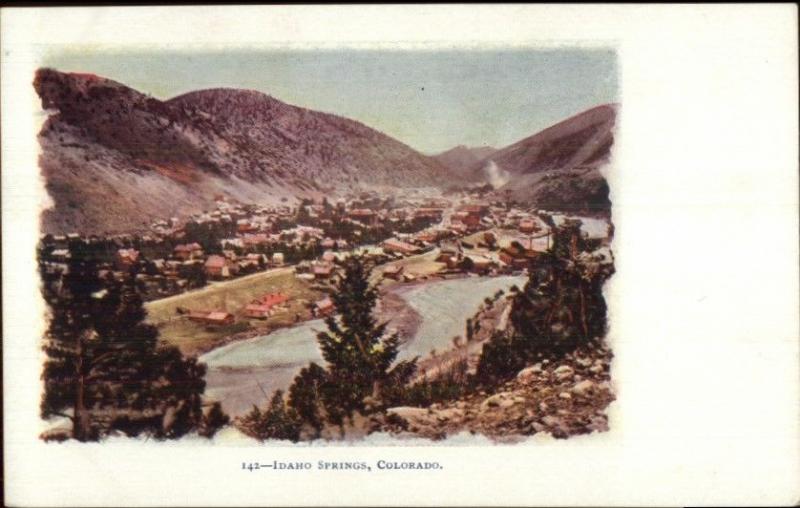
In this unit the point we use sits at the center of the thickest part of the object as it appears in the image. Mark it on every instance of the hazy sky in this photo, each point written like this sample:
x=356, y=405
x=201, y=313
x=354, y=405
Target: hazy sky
x=431, y=100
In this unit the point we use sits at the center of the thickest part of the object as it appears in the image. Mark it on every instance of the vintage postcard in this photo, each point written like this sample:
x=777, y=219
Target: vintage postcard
x=265, y=252
x=218, y=258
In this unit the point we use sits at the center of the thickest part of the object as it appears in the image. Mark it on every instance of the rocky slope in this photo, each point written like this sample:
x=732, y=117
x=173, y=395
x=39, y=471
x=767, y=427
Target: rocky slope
x=566, y=398
x=559, y=167
x=115, y=159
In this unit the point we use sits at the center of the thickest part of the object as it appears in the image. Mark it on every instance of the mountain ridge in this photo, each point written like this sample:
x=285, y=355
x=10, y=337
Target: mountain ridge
x=189, y=149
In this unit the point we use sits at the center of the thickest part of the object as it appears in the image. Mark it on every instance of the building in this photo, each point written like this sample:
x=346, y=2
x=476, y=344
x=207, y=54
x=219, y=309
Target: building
x=322, y=271
x=393, y=272
x=216, y=317
x=394, y=245
x=125, y=259
x=324, y=307
x=217, y=267
x=364, y=216
x=527, y=226
x=188, y=251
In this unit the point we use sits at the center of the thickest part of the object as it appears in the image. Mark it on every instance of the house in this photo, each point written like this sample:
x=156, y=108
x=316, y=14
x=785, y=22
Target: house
x=517, y=256
x=188, y=251
x=257, y=311
x=479, y=264
x=60, y=255
x=254, y=240
x=217, y=267
x=393, y=272
x=364, y=216
x=216, y=317
x=527, y=226
x=324, y=307
x=428, y=213
x=393, y=245
x=322, y=271
x=124, y=259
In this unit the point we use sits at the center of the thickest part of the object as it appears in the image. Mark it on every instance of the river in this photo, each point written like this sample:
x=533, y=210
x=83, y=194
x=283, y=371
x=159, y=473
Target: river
x=245, y=373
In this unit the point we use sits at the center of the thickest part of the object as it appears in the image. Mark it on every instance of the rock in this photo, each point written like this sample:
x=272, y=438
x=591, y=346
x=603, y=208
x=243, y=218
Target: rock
x=563, y=372
x=543, y=407
x=578, y=377
x=565, y=395
x=552, y=421
x=408, y=413
x=598, y=424
x=528, y=374
x=449, y=414
x=583, y=388
x=545, y=362
x=597, y=369
x=584, y=362
x=497, y=400
x=538, y=427
x=519, y=400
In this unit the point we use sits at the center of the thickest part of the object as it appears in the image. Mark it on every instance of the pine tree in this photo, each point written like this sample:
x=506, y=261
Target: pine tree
x=277, y=422
x=358, y=352
x=70, y=341
x=105, y=363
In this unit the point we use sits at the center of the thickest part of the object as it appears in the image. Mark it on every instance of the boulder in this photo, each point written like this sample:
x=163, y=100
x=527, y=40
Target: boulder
x=538, y=427
x=563, y=372
x=565, y=395
x=408, y=413
x=583, y=388
x=529, y=373
x=552, y=421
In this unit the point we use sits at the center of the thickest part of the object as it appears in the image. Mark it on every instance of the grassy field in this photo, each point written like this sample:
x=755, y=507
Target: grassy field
x=231, y=296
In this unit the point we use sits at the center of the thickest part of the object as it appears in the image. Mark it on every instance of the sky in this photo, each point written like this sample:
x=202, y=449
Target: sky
x=430, y=100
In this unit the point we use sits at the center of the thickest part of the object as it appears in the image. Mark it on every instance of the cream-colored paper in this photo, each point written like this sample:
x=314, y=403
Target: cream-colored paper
x=703, y=307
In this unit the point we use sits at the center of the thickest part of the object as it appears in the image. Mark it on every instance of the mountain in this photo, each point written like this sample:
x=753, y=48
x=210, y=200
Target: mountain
x=115, y=159
x=557, y=168
x=462, y=157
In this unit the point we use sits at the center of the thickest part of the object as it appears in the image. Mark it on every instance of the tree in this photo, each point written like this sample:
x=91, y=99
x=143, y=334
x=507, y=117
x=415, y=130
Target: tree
x=306, y=396
x=359, y=374
x=105, y=364
x=356, y=347
x=277, y=422
x=560, y=308
x=69, y=340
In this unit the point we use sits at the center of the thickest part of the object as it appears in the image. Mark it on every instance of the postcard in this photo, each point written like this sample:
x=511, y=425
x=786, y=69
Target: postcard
x=253, y=249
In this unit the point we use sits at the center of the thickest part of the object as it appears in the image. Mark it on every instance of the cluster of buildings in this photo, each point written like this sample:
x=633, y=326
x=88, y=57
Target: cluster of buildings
x=244, y=239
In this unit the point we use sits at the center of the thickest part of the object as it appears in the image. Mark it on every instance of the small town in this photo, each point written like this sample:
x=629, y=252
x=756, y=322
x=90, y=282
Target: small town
x=411, y=239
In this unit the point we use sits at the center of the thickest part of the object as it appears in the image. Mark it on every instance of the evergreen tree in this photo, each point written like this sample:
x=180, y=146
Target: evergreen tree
x=105, y=364
x=277, y=422
x=560, y=308
x=358, y=352
x=70, y=341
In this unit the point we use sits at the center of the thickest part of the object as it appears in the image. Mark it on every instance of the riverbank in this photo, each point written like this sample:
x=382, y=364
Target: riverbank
x=427, y=314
